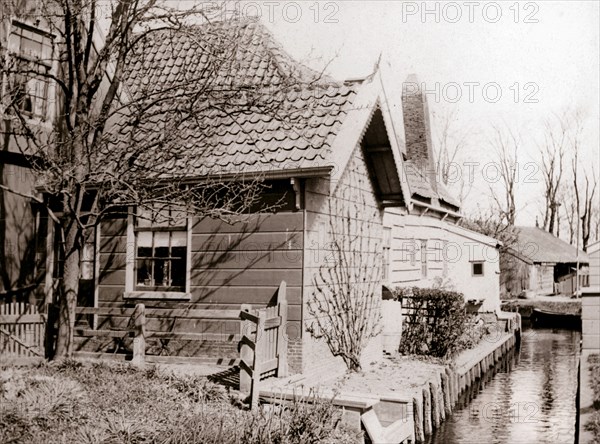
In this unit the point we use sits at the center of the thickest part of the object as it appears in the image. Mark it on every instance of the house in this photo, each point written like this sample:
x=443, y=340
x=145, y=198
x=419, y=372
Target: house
x=23, y=222
x=593, y=252
x=425, y=245
x=338, y=158
x=542, y=263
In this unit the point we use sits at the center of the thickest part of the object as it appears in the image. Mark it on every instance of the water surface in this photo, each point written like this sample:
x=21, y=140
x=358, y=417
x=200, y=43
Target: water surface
x=529, y=397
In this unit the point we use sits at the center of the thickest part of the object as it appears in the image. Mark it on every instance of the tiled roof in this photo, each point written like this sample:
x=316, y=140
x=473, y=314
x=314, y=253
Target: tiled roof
x=540, y=246
x=225, y=98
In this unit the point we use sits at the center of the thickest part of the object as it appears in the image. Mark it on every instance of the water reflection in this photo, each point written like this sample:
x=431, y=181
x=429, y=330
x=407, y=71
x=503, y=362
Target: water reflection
x=529, y=397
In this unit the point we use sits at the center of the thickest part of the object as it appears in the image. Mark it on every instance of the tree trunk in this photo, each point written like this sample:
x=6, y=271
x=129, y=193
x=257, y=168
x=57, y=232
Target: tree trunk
x=552, y=218
x=68, y=294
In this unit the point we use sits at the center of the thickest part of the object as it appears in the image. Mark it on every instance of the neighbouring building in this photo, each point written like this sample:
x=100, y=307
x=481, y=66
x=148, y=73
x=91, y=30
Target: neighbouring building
x=425, y=246
x=593, y=253
x=23, y=221
x=542, y=263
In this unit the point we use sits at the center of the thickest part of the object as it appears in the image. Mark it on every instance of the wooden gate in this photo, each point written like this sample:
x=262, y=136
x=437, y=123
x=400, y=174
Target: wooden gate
x=22, y=331
x=263, y=345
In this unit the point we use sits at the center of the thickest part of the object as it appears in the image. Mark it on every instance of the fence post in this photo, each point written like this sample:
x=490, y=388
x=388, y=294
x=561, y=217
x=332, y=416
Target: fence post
x=245, y=352
x=258, y=351
x=282, y=311
x=139, y=340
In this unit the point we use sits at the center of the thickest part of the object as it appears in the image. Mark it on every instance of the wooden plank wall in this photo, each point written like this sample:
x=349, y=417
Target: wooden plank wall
x=355, y=191
x=22, y=248
x=241, y=263
x=594, y=266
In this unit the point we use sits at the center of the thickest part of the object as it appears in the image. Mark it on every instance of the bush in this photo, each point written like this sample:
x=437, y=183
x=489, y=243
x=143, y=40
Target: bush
x=436, y=321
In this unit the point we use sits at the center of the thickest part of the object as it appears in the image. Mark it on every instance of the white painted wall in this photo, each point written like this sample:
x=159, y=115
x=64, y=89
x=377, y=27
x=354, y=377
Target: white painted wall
x=594, y=254
x=449, y=254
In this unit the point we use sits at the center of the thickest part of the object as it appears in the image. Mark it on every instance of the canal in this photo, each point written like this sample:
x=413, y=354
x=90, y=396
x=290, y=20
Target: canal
x=529, y=397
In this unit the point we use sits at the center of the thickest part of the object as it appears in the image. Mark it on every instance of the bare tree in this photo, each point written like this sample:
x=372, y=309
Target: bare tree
x=506, y=144
x=588, y=208
x=584, y=187
x=102, y=153
x=451, y=142
x=552, y=152
x=345, y=305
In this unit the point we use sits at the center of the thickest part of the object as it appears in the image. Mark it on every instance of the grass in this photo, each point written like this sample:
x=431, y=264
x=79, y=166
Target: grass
x=97, y=402
x=593, y=424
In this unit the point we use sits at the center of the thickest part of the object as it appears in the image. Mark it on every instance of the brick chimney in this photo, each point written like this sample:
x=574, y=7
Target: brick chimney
x=419, y=148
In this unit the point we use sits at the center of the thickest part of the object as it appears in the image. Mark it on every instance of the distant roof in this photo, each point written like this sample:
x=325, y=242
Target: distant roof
x=539, y=246
x=261, y=110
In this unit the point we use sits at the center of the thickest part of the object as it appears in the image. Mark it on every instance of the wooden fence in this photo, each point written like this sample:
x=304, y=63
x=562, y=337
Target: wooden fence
x=262, y=344
x=22, y=331
x=415, y=309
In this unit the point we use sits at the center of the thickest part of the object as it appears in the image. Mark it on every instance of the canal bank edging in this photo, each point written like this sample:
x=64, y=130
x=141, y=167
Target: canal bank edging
x=440, y=395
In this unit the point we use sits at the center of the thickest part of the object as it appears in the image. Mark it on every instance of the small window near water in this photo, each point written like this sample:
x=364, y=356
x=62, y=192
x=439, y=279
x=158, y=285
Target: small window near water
x=477, y=268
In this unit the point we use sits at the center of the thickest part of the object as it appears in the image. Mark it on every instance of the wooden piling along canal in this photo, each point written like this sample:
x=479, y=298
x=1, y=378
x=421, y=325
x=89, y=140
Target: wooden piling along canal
x=439, y=397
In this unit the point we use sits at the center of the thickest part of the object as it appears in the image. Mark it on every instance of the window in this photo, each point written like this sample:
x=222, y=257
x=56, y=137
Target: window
x=387, y=241
x=423, y=258
x=161, y=250
x=32, y=62
x=477, y=268
x=444, y=256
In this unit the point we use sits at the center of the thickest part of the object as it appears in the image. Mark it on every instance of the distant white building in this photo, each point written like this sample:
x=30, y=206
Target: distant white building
x=423, y=244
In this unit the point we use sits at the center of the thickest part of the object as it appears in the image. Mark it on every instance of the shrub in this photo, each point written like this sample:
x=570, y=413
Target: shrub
x=116, y=403
x=435, y=322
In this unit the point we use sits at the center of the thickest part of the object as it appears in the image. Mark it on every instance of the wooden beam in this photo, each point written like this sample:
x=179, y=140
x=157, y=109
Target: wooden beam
x=247, y=341
x=23, y=319
x=183, y=336
x=86, y=332
x=228, y=315
x=246, y=353
x=272, y=322
x=139, y=342
x=105, y=311
x=282, y=341
x=245, y=316
x=245, y=367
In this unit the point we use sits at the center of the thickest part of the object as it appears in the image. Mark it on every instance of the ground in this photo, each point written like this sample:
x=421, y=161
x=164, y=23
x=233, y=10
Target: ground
x=560, y=304
x=99, y=402
x=404, y=376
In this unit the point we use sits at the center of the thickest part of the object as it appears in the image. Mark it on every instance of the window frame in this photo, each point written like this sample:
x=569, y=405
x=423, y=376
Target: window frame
x=387, y=246
x=132, y=290
x=42, y=64
x=424, y=260
x=473, y=264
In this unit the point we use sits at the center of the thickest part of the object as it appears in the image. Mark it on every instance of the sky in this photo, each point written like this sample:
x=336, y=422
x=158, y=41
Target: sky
x=492, y=63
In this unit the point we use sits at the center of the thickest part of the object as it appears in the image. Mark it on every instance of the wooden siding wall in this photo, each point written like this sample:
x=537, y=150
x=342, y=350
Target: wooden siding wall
x=22, y=236
x=545, y=276
x=514, y=276
x=449, y=251
x=241, y=263
x=594, y=255
x=355, y=191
